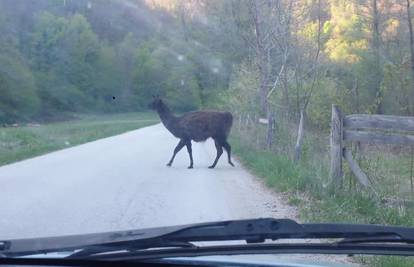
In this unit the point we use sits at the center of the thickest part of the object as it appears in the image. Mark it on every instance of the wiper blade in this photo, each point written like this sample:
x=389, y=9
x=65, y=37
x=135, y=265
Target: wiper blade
x=130, y=246
x=266, y=248
x=181, y=237
x=31, y=246
x=258, y=230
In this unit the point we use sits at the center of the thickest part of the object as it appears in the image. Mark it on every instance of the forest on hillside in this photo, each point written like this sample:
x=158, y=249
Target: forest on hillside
x=77, y=56
x=257, y=56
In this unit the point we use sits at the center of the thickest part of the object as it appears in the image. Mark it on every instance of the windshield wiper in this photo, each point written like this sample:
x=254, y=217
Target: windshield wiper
x=179, y=240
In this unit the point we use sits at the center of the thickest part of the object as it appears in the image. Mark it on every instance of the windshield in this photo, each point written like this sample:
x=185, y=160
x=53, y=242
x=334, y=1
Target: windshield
x=131, y=114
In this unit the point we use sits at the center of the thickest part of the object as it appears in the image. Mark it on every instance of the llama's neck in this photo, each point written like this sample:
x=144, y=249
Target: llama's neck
x=167, y=118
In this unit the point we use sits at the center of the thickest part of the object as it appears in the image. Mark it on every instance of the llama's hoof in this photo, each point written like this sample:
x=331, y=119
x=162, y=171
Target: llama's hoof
x=211, y=167
x=169, y=164
x=190, y=167
x=231, y=163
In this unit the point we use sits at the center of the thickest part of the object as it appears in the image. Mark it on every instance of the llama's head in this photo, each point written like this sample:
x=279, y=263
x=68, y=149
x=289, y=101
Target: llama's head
x=156, y=103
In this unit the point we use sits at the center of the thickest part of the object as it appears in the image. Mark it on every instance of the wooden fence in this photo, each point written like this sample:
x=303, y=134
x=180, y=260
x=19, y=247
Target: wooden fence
x=364, y=128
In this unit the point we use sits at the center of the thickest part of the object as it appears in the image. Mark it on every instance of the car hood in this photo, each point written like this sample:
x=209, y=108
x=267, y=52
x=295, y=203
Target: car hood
x=243, y=260
x=266, y=260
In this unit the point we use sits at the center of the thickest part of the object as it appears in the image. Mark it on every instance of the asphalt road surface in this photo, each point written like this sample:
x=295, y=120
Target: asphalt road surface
x=122, y=182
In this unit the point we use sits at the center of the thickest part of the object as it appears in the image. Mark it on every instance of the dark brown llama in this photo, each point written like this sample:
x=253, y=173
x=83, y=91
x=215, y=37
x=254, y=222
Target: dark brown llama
x=197, y=126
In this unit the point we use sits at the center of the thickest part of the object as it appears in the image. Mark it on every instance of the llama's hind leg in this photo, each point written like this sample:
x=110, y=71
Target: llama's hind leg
x=219, y=152
x=190, y=153
x=179, y=146
x=227, y=147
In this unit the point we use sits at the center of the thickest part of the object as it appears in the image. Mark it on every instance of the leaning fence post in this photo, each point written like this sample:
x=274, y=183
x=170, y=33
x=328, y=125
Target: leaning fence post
x=336, y=146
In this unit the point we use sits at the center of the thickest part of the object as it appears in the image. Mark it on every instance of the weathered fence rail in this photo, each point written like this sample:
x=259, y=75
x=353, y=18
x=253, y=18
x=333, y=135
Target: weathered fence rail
x=383, y=122
x=364, y=128
x=378, y=138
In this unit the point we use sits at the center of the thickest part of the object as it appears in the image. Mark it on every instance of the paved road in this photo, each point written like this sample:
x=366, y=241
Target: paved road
x=122, y=182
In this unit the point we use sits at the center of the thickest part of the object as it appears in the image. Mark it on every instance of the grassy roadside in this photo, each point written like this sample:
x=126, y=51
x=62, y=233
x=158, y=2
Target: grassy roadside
x=18, y=143
x=305, y=186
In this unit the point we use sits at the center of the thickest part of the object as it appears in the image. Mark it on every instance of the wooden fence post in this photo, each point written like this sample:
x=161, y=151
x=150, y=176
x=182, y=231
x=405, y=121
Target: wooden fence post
x=336, y=146
x=270, y=130
x=299, y=138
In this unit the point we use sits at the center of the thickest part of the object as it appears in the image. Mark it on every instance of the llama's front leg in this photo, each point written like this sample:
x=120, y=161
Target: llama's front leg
x=190, y=153
x=180, y=145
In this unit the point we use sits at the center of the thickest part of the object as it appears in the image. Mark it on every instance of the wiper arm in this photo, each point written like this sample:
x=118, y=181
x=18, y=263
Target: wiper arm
x=258, y=230
x=181, y=237
x=352, y=239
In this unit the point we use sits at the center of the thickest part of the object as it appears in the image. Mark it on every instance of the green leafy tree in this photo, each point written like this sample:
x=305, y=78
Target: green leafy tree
x=18, y=100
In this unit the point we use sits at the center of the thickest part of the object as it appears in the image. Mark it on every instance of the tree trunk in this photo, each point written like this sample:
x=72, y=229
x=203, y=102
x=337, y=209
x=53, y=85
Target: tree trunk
x=261, y=57
x=356, y=94
x=376, y=48
x=286, y=92
x=411, y=169
x=336, y=147
x=356, y=108
x=263, y=90
x=410, y=28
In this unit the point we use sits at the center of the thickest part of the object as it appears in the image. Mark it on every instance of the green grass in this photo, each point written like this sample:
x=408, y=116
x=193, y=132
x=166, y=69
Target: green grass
x=277, y=170
x=391, y=172
x=307, y=187
x=18, y=143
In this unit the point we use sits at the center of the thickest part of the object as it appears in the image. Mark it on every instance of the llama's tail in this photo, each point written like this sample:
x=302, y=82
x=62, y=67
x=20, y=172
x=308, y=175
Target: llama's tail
x=228, y=122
